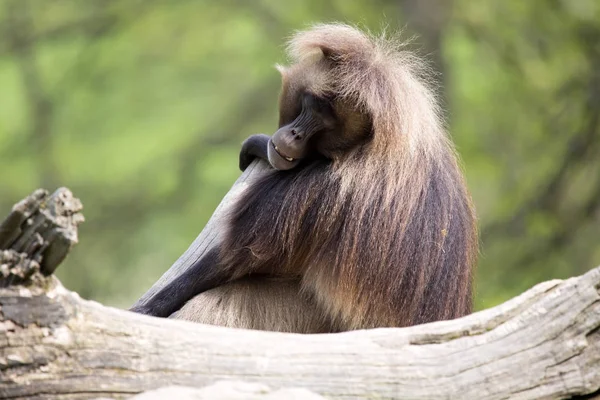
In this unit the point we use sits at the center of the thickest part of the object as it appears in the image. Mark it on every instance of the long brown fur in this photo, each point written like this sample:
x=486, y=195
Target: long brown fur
x=381, y=234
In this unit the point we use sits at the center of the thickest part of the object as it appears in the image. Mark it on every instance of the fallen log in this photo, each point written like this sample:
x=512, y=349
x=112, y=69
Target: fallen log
x=544, y=343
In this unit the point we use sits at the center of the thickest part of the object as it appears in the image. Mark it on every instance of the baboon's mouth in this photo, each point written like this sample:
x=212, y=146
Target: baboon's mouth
x=289, y=159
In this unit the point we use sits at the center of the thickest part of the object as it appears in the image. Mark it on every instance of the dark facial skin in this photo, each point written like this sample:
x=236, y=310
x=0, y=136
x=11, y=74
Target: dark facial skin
x=294, y=141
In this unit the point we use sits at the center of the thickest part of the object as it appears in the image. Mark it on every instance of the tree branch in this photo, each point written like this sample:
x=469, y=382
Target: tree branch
x=544, y=343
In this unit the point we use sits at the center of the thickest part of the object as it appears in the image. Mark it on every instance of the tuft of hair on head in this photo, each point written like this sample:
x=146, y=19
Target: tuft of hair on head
x=381, y=76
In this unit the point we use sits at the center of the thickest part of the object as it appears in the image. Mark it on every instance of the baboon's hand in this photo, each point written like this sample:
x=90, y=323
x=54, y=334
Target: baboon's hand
x=253, y=147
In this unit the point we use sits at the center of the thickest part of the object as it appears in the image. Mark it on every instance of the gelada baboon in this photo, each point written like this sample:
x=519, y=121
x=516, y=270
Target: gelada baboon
x=364, y=221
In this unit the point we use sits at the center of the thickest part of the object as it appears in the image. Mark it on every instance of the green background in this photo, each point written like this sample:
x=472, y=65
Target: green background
x=139, y=107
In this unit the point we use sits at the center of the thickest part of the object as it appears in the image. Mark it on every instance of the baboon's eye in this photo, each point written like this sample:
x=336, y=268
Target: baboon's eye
x=308, y=100
x=318, y=104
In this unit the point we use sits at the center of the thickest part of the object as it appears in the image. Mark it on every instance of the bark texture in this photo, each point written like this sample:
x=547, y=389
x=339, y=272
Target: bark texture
x=542, y=344
x=37, y=235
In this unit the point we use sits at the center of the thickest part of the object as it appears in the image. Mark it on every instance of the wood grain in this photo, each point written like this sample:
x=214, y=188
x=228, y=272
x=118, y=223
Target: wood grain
x=544, y=343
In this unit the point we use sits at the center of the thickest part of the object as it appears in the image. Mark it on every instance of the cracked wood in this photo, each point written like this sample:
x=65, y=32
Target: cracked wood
x=542, y=344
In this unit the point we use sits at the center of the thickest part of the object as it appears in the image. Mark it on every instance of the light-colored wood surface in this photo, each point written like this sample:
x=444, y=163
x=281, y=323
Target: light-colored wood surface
x=542, y=344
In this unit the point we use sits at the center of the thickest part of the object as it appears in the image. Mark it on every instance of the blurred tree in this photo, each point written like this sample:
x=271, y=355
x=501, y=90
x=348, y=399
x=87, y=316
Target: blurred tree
x=140, y=107
x=540, y=61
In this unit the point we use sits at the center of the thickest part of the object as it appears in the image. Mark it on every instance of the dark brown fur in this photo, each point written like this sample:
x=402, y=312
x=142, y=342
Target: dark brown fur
x=382, y=233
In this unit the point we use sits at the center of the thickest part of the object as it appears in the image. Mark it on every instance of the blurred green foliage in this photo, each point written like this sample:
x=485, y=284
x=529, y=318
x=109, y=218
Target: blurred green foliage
x=139, y=107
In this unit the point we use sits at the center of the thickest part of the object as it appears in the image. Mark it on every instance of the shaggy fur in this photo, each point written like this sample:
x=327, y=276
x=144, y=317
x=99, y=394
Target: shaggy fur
x=382, y=233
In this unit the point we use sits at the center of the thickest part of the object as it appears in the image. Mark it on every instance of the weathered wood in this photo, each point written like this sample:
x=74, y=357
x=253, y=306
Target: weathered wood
x=37, y=234
x=542, y=344
x=211, y=235
x=228, y=390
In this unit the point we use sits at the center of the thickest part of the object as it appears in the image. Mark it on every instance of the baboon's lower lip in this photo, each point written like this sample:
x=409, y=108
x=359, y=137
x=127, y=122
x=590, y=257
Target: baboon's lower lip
x=289, y=159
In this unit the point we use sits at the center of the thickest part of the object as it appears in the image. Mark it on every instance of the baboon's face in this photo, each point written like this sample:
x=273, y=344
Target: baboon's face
x=313, y=120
